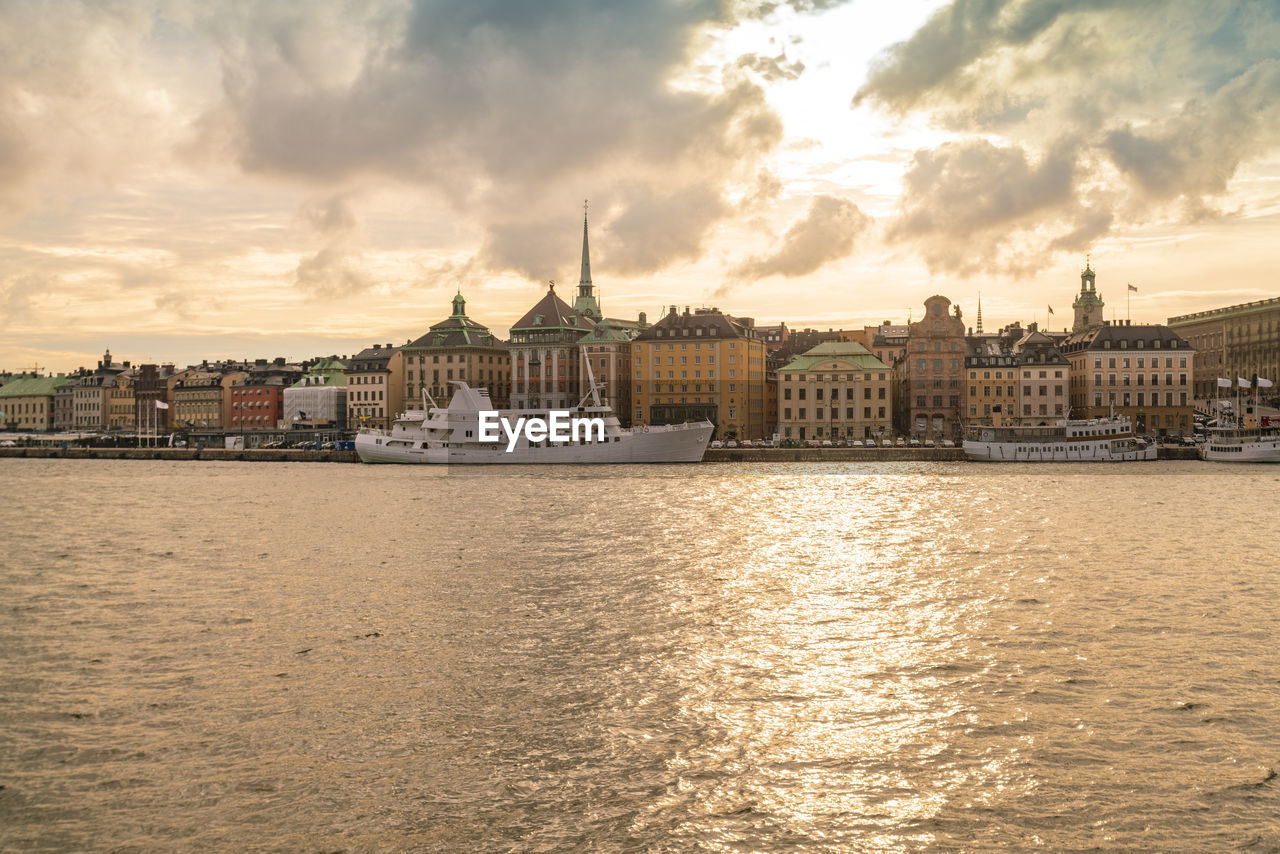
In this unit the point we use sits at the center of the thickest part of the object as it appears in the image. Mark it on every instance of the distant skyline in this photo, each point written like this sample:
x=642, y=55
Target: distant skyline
x=185, y=180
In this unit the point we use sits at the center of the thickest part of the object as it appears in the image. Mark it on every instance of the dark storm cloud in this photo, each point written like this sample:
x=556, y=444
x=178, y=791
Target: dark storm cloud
x=827, y=233
x=499, y=106
x=1176, y=96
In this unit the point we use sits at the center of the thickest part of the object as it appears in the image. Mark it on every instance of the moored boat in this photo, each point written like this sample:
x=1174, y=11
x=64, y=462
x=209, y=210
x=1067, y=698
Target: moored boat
x=465, y=433
x=1084, y=440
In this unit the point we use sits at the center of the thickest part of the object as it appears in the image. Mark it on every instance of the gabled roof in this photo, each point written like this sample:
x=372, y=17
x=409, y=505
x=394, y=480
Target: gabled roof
x=1119, y=336
x=551, y=312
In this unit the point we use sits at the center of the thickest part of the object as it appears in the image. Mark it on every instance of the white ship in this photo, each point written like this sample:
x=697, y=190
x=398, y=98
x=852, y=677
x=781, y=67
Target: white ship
x=1087, y=440
x=452, y=435
x=1241, y=445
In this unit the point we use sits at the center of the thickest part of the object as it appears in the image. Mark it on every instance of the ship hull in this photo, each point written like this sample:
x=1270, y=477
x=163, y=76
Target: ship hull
x=684, y=443
x=1262, y=451
x=1048, y=452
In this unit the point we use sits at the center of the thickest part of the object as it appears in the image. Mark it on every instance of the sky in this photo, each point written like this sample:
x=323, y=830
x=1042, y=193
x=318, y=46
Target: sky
x=183, y=180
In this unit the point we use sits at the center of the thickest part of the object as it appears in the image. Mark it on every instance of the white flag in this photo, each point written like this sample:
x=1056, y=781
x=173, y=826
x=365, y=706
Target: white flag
x=1244, y=383
x=1223, y=382
x=1263, y=382
x=160, y=404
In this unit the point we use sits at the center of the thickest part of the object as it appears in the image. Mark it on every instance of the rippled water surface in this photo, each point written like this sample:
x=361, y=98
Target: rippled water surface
x=312, y=657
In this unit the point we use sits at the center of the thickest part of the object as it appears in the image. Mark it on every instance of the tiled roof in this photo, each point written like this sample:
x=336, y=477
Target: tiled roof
x=845, y=351
x=551, y=312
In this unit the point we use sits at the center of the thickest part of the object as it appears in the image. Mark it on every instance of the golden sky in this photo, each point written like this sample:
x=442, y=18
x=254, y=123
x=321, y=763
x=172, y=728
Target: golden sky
x=187, y=180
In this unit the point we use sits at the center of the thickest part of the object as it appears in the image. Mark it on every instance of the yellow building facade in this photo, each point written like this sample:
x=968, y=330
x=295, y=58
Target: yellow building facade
x=700, y=365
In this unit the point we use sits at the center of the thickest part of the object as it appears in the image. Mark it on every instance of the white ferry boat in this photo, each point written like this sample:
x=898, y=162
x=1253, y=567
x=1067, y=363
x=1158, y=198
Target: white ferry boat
x=1092, y=440
x=452, y=435
x=1242, y=444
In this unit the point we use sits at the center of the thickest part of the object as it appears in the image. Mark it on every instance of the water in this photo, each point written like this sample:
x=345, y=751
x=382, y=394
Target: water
x=312, y=657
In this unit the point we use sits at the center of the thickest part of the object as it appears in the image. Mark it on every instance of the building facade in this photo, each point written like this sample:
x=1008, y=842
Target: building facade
x=1238, y=341
x=375, y=387
x=700, y=365
x=991, y=392
x=121, y=407
x=546, y=362
x=1142, y=371
x=932, y=375
x=457, y=348
x=26, y=402
x=202, y=398
x=1044, y=379
x=837, y=390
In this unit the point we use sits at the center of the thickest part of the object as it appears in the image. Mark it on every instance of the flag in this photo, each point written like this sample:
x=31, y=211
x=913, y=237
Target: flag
x=1051, y=309
x=1132, y=288
x=1223, y=382
x=1263, y=382
x=160, y=404
x=1244, y=383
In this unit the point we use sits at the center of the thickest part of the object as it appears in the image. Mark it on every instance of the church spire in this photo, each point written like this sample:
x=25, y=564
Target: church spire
x=586, y=304
x=979, y=312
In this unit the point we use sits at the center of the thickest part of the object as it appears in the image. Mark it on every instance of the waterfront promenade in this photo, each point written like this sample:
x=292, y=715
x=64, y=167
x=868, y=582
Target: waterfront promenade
x=718, y=455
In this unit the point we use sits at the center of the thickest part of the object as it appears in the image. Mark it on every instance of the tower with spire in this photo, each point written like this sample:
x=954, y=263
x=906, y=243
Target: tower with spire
x=1088, y=303
x=979, y=312
x=586, y=303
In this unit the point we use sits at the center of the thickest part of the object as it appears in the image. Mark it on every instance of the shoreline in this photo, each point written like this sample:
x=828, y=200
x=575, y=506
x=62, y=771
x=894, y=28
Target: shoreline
x=719, y=455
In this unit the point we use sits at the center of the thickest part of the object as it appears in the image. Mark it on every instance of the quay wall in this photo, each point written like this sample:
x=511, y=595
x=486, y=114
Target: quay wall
x=717, y=455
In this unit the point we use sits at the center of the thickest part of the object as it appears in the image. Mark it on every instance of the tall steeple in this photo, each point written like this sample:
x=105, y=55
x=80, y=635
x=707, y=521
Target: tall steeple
x=586, y=303
x=979, y=312
x=1088, y=304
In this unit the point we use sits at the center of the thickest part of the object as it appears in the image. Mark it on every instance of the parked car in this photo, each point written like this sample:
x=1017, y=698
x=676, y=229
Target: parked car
x=716, y=444
x=928, y=443
x=914, y=443
x=826, y=443
x=899, y=442
x=947, y=443
x=812, y=443
x=732, y=443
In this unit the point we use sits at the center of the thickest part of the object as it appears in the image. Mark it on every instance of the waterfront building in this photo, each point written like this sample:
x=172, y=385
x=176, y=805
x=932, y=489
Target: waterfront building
x=1236, y=341
x=121, y=408
x=932, y=374
x=1088, y=303
x=90, y=394
x=1142, y=371
x=991, y=382
x=546, y=362
x=1044, y=377
x=607, y=351
x=702, y=364
x=456, y=348
x=150, y=385
x=375, y=387
x=837, y=390
x=27, y=401
x=257, y=401
x=319, y=399
x=64, y=409
x=202, y=397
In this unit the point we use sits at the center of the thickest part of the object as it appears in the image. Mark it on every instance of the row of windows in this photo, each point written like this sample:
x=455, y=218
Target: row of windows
x=1126, y=399
x=1026, y=390
x=819, y=413
x=670, y=347
x=1026, y=409
x=1155, y=379
x=684, y=360
x=952, y=400
x=923, y=364
x=1124, y=362
x=832, y=394
x=1026, y=375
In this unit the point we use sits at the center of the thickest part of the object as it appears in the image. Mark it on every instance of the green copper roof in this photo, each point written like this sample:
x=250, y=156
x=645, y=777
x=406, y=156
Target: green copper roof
x=845, y=351
x=32, y=386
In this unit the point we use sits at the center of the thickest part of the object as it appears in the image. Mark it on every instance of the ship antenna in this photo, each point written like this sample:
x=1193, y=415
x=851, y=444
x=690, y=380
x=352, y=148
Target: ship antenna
x=592, y=389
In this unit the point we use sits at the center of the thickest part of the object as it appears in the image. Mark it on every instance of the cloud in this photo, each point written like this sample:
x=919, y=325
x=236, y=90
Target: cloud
x=827, y=233
x=1195, y=152
x=1074, y=118
x=497, y=107
x=971, y=206
x=335, y=270
x=772, y=67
